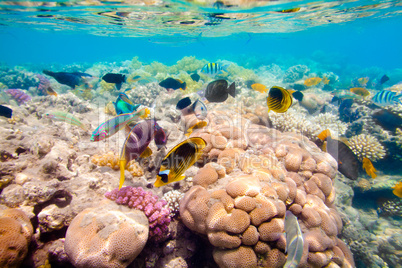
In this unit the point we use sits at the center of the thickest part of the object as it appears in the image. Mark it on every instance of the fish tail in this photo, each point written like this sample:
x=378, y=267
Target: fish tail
x=183, y=86
x=122, y=165
x=118, y=86
x=232, y=90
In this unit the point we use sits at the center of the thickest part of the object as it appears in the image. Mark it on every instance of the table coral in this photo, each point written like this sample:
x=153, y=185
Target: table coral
x=154, y=209
x=367, y=146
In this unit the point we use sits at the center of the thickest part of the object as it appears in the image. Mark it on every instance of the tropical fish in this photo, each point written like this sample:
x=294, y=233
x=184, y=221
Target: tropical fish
x=117, y=79
x=218, y=91
x=213, y=69
x=198, y=125
x=195, y=77
x=160, y=137
x=279, y=99
x=173, y=84
x=123, y=105
x=387, y=119
x=198, y=108
x=398, y=189
x=50, y=91
x=70, y=79
x=298, y=95
x=136, y=144
x=344, y=94
x=369, y=168
x=5, y=111
x=325, y=80
x=363, y=81
x=178, y=160
x=312, y=81
x=65, y=117
x=348, y=164
x=113, y=125
x=291, y=10
x=294, y=241
x=384, y=79
x=360, y=91
x=386, y=97
x=259, y=87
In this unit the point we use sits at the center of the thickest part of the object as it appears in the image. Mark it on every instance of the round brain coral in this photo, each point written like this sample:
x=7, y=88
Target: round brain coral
x=106, y=236
x=367, y=146
x=241, y=257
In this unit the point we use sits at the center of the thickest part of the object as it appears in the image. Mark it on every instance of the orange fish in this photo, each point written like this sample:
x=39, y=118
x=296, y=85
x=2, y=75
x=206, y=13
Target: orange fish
x=259, y=87
x=369, y=168
x=360, y=91
x=50, y=91
x=363, y=81
x=324, y=134
x=312, y=81
x=398, y=189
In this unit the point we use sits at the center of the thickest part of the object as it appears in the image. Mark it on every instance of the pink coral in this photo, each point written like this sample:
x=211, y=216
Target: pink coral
x=154, y=209
x=19, y=95
x=44, y=84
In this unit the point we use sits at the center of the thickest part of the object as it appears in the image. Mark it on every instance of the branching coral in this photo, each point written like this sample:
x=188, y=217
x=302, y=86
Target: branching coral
x=331, y=122
x=19, y=95
x=367, y=146
x=187, y=64
x=112, y=160
x=172, y=199
x=154, y=209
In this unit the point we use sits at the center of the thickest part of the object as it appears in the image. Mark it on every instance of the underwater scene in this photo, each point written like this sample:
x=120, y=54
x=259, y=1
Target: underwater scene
x=201, y=133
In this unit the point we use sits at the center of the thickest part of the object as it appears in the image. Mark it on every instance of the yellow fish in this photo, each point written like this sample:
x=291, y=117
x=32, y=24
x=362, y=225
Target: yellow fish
x=199, y=125
x=259, y=87
x=279, y=99
x=324, y=135
x=312, y=81
x=178, y=160
x=360, y=91
x=325, y=80
x=363, y=81
x=369, y=168
x=398, y=189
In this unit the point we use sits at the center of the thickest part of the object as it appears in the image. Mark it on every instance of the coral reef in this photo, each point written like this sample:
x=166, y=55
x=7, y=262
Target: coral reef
x=111, y=159
x=154, y=209
x=44, y=84
x=106, y=236
x=172, y=199
x=295, y=73
x=367, y=146
x=19, y=95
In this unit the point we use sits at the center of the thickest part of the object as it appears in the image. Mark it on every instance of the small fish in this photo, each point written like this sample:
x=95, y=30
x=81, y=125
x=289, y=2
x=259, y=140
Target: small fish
x=198, y=125
x=348, y=164
x=259, y=87
x=117, y=79
x=384, y=79
x=173, y=84
x=398, y=189
x=298, y=95
x=291, y=10
x=369, y=168
x=363, y=81
x=312, y=81
x=218, y=91
x=198, y=108
x=5, y=111
x=50, y=91
x=136, y=144
x=195, y=77
x=325, y=80
x=294, y=241
x=279, y=99
x=360, y=91
x=178, y=160
x=213, y=69
x=160, y=137
x=113, y=125
x=123, y=105
x=65, y=117
x=70, y=79
x=343, y=94
x=386, y=97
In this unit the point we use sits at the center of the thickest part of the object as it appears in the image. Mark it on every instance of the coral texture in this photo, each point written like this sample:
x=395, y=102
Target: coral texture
x=367, y=146
x=111, y=159
x=154, y=209
x=172, y=199
x=19, y=95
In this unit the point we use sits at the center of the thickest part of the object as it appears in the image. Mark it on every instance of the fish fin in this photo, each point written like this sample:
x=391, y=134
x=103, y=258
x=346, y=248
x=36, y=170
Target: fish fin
x=181, y=177
x=122, y=165
x=125, y=98
x=232, y=90
x=118, y=86
x=183, y=86
x=146, y=153
x=324, y=134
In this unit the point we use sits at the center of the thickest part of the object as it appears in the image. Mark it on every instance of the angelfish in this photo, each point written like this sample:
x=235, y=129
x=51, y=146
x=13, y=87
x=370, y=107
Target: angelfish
x=294, y=241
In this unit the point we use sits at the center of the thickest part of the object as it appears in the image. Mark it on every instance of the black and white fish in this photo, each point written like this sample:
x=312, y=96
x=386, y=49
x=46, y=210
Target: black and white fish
x=386, y=97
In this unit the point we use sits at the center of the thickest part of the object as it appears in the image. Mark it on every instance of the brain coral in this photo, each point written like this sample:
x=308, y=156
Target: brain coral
x=242, y=213
x=367, y=146
x=106, y=236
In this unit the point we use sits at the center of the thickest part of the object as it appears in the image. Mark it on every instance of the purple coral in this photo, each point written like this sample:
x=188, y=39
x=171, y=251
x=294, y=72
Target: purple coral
x=19, y=95
x=44, y=84
x=158, y=215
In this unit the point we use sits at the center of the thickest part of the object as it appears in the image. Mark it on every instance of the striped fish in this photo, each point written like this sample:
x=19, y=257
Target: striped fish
x=213, y=69
x=386, y=97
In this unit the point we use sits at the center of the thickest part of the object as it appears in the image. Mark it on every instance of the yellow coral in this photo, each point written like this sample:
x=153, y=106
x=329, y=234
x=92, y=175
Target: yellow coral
x=134, y=168
x=367, y=146
x=109, y=109
x=237, y=71
x=156, y=67
x=135, y=63
x=187, y=64
x=106, y=87
x=109, y=159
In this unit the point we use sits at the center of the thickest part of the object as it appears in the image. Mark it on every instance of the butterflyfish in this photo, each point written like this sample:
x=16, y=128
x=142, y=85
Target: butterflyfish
x=178, y=160
x=294, y=241
x=65, y=117
x=279, y=99
x=369, y=168
x=312, y=81
x=398, y=189
x=198, y=125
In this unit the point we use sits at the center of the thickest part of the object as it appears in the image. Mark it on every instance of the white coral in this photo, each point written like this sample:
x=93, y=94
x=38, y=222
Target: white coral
x=367, y=146
x=331, y=122
x=173, y=199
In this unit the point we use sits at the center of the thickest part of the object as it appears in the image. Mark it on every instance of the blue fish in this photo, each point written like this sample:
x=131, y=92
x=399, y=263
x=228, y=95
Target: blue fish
x=213, y=69
x=124, y=106
x=386, y=97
